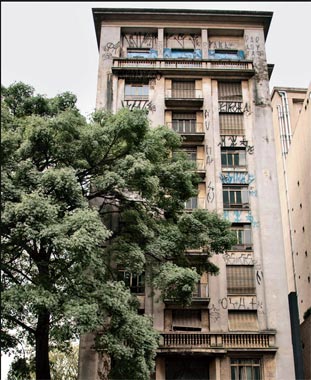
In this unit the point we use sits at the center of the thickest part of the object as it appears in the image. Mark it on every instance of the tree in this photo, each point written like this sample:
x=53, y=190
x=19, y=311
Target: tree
x=80, y=200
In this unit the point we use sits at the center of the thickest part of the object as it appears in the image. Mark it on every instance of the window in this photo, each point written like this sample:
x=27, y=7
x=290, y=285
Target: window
x=242, y=320
x=231, y=124
x=136, y=91
x=233, y=157
x=244, y=236
x=136, y=282
x=141, y=53
x=235, y=197
x=184, y=122
x=186, y=320
x=245, y=369
x=240, y=280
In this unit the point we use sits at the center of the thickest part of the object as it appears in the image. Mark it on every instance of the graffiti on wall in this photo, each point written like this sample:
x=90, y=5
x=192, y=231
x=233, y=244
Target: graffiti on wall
x=241, y=303
x=209, y=156
x=236, y=141
x=253, y=47
x=142, y=104
x=111, y=50
x=236, y=178
x=233, y=107
x=183, y=40
x=210, y=193
x=140, y=40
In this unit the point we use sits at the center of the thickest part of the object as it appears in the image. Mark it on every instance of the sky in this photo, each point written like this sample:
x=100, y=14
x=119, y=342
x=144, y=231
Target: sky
x=52, y=45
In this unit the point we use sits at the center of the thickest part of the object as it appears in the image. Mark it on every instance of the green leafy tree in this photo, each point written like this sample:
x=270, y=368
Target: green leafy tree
x=79, y=200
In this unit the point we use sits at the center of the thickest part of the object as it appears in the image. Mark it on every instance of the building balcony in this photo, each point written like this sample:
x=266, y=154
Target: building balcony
x=199, y=341
x=191, y=97
x=164, y=66
x=191, y=130
x=200, y=297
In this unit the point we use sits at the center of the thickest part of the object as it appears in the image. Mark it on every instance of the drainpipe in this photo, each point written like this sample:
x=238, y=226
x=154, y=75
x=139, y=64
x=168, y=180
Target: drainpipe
x=286, y=117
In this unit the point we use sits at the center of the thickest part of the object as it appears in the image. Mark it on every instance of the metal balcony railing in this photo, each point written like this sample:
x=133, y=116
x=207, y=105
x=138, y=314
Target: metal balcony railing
x=186, y=126
x=194, y=340
x=184, y=94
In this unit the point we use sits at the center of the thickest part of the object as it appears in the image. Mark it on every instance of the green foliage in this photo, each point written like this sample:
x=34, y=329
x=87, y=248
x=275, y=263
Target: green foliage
x=176, y=283
x=77, y=197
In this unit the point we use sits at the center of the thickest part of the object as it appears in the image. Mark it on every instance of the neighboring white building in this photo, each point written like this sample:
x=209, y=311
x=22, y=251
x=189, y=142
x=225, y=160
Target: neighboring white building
x=292, y=129
x=205, y=74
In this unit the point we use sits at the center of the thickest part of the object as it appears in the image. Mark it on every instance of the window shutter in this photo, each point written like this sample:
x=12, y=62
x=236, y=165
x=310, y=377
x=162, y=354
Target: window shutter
x=240, y=279
x=242, y=320
x=231, y=124
x=230, y=91
x=186, y=318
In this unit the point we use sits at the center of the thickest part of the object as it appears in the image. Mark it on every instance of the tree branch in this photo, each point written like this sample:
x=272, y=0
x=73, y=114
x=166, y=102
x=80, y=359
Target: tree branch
x=20, y=323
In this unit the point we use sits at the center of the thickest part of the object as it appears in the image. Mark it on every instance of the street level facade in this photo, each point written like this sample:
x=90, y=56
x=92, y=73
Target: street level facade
x=205, y=75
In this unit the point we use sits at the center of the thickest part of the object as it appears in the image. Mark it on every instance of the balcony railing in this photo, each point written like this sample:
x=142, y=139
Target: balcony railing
x=184, y=94
x=161, y=63
x=192, y=340
x=186, y=126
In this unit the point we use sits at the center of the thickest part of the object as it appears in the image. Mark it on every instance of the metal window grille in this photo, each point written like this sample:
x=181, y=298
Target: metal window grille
x=240, y=279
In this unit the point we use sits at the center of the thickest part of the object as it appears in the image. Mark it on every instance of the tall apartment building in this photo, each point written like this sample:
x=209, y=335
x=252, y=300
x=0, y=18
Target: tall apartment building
x=204, y=74
x=292, y=128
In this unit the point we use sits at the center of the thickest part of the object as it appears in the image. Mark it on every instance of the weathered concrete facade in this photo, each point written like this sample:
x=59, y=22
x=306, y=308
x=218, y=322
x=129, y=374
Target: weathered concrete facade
x=292, y=129
x=204, y=74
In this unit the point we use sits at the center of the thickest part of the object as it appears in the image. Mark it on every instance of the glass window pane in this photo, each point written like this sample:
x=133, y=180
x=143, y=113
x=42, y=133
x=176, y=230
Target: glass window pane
x=238, y=197
x=256, y=373
x=242, y=158
x=233, y=373
x=230, y=162
x=223, y=159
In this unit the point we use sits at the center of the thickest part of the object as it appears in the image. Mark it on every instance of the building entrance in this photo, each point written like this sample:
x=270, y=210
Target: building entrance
x=187, y=368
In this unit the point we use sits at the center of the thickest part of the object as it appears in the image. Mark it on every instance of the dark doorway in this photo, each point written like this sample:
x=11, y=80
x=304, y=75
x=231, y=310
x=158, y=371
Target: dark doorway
x=187, y=368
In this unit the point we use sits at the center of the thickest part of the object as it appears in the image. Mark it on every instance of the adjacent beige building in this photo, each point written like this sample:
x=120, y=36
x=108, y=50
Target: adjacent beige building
x=205, y=74
x=292, y=130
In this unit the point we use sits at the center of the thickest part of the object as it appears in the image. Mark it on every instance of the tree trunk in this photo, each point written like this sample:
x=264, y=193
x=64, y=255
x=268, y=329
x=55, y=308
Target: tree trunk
x=42, y=346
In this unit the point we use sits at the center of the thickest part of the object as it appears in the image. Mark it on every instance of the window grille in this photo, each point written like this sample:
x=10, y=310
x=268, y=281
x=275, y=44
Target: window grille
x=240, y=279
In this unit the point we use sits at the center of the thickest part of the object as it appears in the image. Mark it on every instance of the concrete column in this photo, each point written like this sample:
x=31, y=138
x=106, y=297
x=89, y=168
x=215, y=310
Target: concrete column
x=160, y=42
x=204, y=35
x=160, y=368
x=109, y=48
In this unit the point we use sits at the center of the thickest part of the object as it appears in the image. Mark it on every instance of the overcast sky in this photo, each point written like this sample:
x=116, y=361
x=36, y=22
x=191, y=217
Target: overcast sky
x=52, y=45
